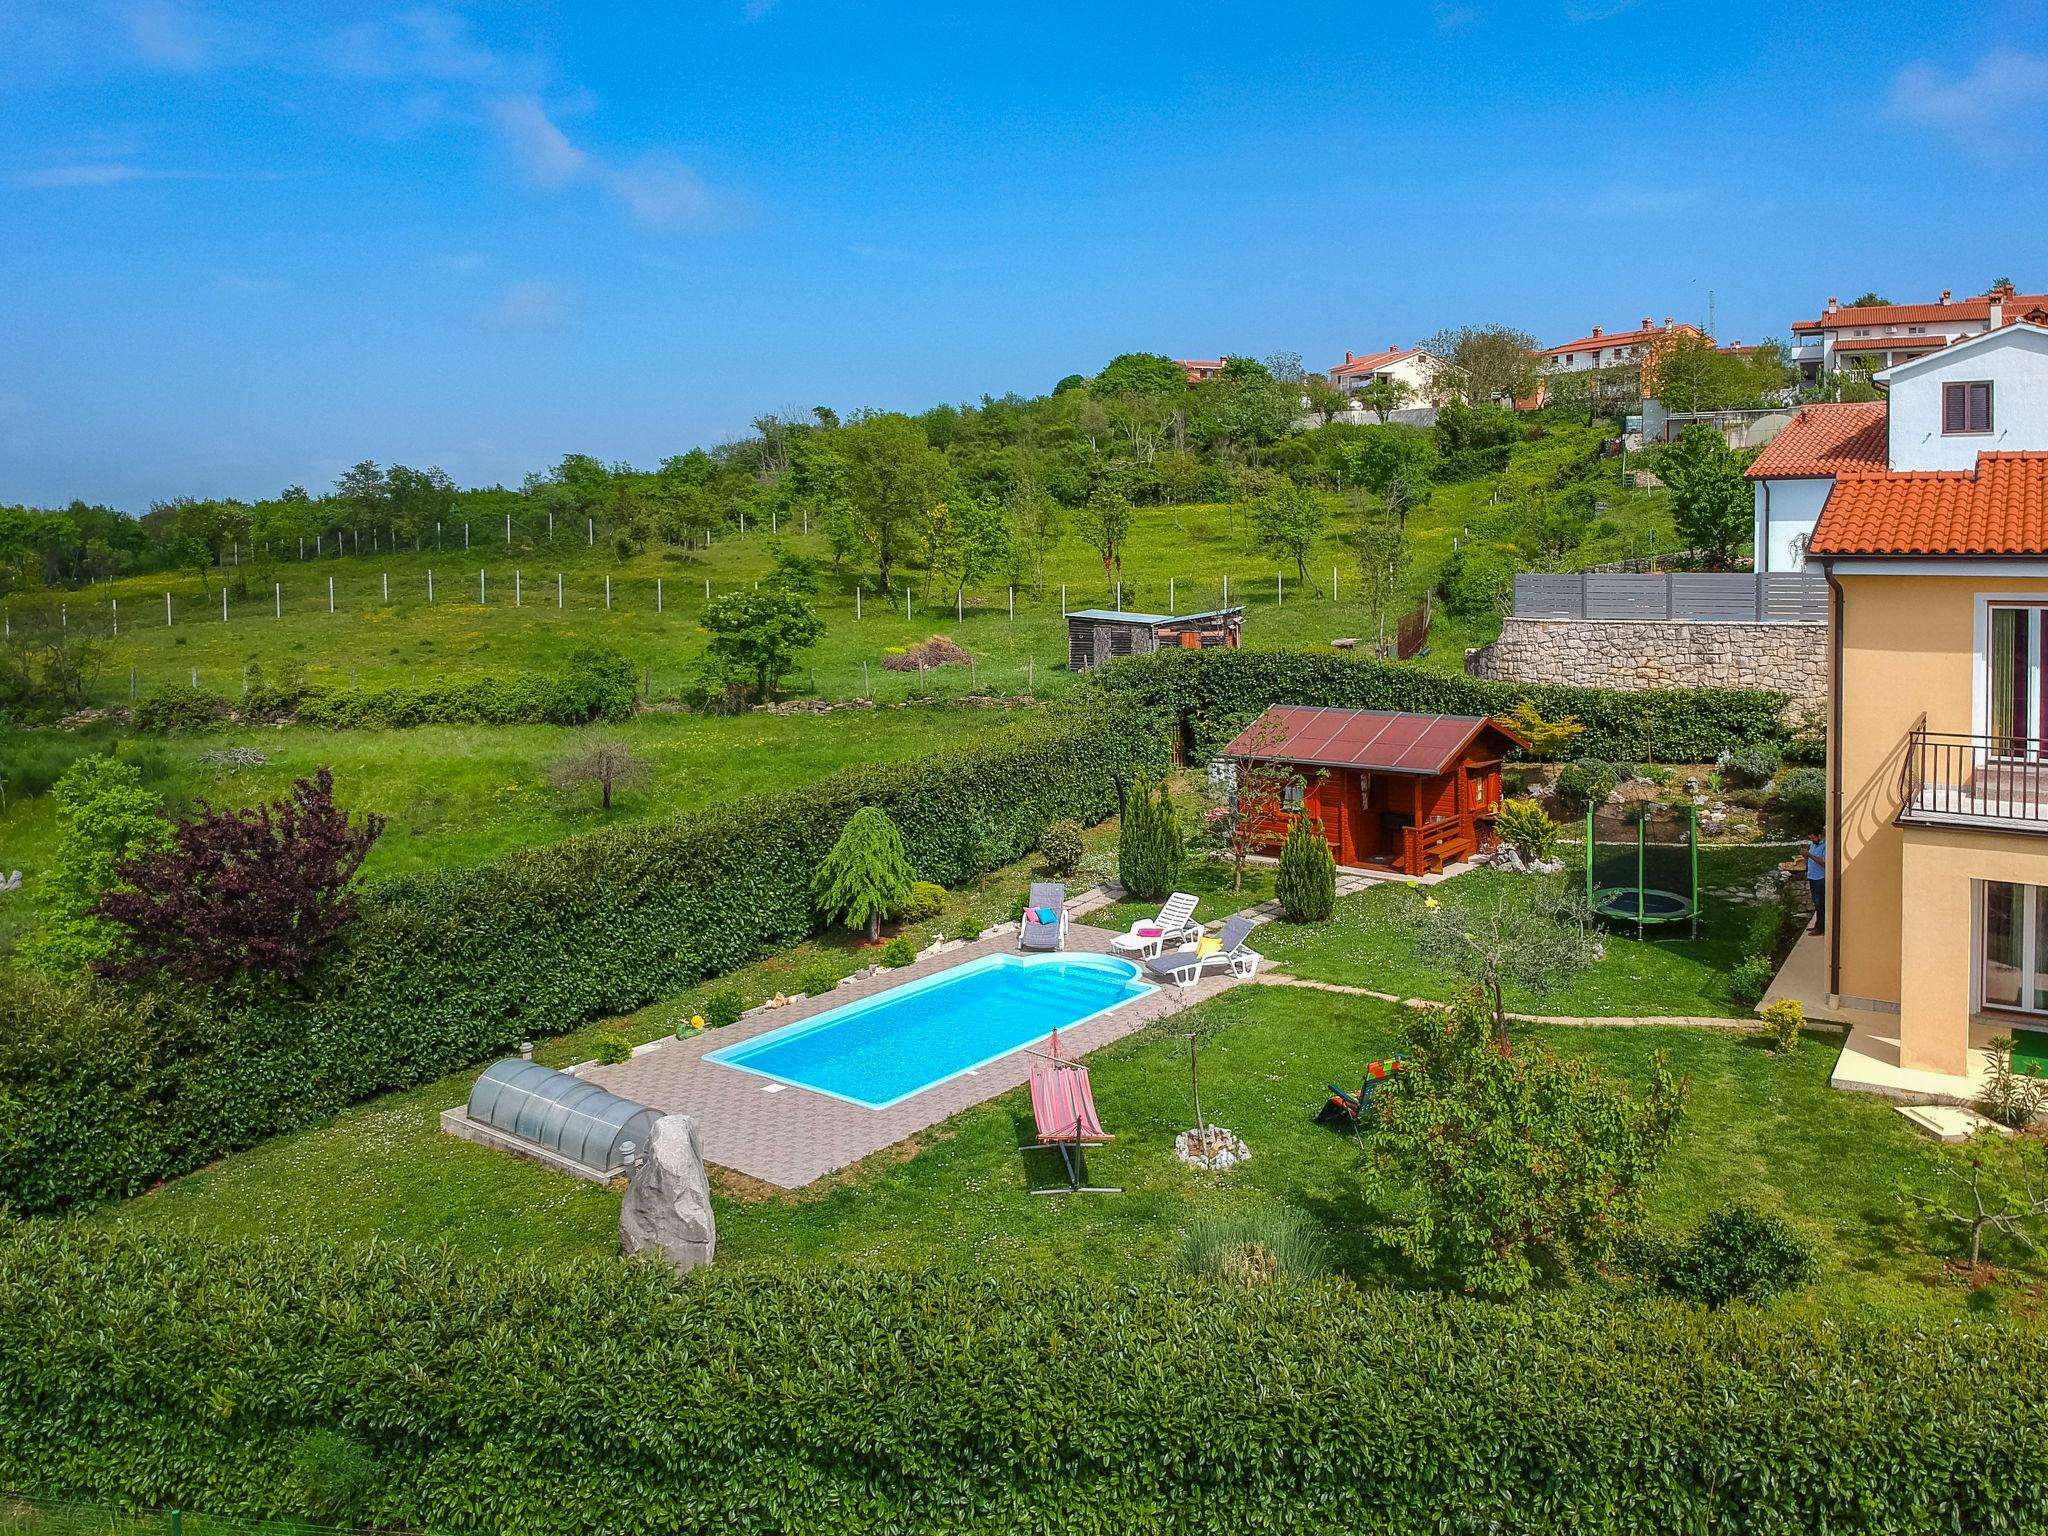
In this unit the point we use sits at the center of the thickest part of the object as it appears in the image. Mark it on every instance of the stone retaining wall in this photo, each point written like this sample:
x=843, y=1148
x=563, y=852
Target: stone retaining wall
x=1612, y=653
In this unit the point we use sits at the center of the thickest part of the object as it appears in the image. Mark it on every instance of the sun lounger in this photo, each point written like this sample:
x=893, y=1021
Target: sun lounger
x=1063, y=1105
x=1034, y=932
x=1184, y=966
x=1348, y=1110
x=1175, y=924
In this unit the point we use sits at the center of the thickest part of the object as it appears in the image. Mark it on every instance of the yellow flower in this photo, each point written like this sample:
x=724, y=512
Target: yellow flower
x=1431, y=902
x=696, y=1021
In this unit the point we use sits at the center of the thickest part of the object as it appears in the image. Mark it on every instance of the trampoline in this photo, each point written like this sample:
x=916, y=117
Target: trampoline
x=1643, y=865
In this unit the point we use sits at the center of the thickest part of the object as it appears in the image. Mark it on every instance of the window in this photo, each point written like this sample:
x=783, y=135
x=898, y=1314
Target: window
x=1966, y=407
x=2013, y=946
x=2018, y=681
x=1292, y=798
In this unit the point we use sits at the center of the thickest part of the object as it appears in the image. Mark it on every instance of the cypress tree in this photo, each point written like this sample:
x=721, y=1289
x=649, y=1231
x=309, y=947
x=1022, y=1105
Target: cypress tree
x=1146, y=844
x=1307, y=883
x=867, y=874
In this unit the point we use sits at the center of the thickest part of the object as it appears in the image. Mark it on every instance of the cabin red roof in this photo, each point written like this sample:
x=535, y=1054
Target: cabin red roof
x=1838, y=439
x=1377, y=361
x=1381, y=740
x=1998, y=508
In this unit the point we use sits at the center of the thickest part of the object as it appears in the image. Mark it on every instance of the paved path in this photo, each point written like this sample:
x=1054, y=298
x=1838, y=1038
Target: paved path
x=790, y=1136
x=1269, y=977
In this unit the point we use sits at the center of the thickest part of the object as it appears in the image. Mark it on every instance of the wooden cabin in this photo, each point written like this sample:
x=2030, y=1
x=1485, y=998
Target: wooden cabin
x=1405, y=792
x=1096, y=635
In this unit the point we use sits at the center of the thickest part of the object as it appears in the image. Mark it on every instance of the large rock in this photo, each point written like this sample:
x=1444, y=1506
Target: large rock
x=668, y=1199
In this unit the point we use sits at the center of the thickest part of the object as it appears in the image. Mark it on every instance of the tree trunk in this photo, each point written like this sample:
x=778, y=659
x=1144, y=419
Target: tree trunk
x=604, y=787
x=874, y=926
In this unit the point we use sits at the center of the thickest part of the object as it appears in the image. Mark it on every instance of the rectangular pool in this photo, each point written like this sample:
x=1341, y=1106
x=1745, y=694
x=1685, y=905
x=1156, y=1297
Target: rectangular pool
x=883, y=1049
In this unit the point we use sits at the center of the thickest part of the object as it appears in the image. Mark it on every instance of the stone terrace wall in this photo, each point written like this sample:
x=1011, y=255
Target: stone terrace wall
x=1606, y=653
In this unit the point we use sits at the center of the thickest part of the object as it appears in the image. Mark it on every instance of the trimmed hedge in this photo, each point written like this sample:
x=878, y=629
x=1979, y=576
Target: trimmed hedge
x=596, y=683
x=446, y=969
x=1208, y=696
x=518, y=1399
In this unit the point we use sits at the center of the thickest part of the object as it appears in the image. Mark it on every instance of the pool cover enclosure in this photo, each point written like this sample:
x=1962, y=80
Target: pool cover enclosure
x=576, y=1121
x=1643, y=865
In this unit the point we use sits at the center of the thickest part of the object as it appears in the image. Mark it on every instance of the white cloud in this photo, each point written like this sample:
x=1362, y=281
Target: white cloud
x=166, y=35
x=107, y=173
x=425, y=44
x=529, y=307
x=657, y=190
x=2001, y=84
x=545, y=155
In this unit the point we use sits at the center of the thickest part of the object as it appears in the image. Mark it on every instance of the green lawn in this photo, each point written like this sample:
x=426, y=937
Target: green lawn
x=1757, y=1126
x=1370, y=943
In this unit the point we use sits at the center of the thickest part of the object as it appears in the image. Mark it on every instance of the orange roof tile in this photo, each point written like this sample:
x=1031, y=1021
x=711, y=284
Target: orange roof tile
x=1957, y=312
x=1998, y=508
x=1621, y=338
x=1890, y=343
x=1377, y=361
x=1826, y=440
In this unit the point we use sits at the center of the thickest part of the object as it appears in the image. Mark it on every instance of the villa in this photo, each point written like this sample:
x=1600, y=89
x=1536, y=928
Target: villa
x=1885, y=335
x=1932, y=533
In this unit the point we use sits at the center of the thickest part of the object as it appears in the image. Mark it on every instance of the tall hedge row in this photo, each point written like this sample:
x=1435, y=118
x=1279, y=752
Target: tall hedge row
x=447, y=969
x=516, y=1399
x=1210, y=695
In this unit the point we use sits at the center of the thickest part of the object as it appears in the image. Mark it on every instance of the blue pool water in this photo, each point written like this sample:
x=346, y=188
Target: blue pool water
x=885, y=1048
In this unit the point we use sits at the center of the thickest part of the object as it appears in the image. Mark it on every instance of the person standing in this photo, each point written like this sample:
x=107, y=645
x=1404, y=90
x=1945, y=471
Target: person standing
x=1817, y=878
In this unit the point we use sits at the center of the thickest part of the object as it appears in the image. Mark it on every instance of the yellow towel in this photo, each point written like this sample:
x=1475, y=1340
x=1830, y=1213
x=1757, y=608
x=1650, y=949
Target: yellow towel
x=1207, y=947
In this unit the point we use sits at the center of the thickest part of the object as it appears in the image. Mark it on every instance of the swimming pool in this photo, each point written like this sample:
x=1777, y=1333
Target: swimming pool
x=883, y=1049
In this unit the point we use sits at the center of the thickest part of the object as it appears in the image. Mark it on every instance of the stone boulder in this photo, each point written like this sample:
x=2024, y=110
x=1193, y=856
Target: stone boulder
x=667, y=1206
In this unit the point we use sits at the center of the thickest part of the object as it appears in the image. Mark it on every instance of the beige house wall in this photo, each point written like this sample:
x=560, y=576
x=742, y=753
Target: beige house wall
x=1903, y=920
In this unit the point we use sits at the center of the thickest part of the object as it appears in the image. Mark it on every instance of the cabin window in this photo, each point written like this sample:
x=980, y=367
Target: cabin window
x=1293, y=798
x=2017, y=668
x=1966, y=407
x=2012, y=926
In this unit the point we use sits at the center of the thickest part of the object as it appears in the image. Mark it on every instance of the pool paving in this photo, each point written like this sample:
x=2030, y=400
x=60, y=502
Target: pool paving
x=789, y=1136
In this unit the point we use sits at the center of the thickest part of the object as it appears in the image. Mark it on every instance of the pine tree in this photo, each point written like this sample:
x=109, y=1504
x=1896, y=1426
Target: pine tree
x=867, y=874
x=1307, y=883
x=1149, y=845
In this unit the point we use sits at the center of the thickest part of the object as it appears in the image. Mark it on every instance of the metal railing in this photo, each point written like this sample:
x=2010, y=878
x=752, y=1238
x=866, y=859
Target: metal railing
x=1691, y=597
x=1962, y=780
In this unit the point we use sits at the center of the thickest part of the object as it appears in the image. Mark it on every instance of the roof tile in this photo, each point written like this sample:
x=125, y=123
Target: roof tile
x=1826, y=440
x=1999, y=508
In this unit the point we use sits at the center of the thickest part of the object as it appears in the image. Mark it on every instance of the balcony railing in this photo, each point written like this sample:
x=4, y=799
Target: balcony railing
x=1979, y=781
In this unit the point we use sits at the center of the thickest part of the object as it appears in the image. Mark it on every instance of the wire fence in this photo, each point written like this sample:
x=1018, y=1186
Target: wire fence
x=29, y=1516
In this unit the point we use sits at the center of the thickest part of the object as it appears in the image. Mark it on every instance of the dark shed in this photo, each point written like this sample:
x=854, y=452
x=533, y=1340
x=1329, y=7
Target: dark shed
x=1095, y=635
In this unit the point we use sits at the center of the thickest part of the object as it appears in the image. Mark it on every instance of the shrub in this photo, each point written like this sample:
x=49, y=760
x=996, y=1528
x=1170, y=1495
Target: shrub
x=611, y=1047
x=1149, y=849
x=171, y=711
x=1252, y=1249
x=968, y=929
x=1061, y=848
x=2013, y=1099
x=1751, y=978
x=866, y=877
x=335, y=1476
x=817, y=977
x=1803, y=796
x=1546, y=738
x=443, y=969
x=1751, y=766
x=723, y=1006
x=1203, y=698
x=105, y=820
x=1782, y=1022
x=899, y=951
x=1589, y=781
x=887, y=1424
x=925, y=902
x=1528, y=829
x=1739, y=1253
x=1306, y=886
x=1476, y=581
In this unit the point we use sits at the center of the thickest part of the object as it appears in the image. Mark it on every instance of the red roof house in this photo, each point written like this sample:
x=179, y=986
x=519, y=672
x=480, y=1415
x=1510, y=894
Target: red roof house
x=1407, y=792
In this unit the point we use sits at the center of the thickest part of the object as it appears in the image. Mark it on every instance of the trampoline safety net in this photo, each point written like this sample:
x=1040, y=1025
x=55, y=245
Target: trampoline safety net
x=1642, y=863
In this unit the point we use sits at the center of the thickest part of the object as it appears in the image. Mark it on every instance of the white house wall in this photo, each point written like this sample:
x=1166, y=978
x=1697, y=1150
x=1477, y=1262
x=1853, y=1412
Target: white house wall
x=1786, y=511
x=2017, y=367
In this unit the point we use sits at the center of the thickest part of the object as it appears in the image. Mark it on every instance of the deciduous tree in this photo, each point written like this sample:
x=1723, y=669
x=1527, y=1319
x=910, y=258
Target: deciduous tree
x=758, y=633
x=1499, y=938
x=1488, y=363
x=892, y=478
x=106, y=820
x=610, y=765
x=1711, y=503
x=1105, y=522
x=240, y=892
x=1289, y=520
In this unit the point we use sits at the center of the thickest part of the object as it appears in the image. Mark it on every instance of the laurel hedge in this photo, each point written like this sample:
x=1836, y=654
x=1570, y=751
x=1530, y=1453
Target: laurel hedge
x=445, y=969
x=518, y=1399
x=1206, y=697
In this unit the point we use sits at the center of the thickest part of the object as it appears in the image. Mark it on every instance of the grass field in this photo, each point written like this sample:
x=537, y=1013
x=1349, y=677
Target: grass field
x=1369, y=942
x=384, y=627
x=1758, y=1126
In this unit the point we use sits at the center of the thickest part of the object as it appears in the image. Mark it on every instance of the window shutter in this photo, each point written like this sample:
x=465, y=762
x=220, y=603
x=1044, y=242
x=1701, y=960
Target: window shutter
x=1952, y=408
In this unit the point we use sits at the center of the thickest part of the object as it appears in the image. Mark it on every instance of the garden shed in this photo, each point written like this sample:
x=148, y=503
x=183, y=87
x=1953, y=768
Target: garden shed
x=1393, y=790
x=1095, y=635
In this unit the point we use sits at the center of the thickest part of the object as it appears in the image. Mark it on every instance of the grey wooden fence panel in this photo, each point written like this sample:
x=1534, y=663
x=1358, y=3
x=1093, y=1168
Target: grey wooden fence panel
x=1550, y=597
x=1627, y=597
x=1707, y=598
x=1795, y=597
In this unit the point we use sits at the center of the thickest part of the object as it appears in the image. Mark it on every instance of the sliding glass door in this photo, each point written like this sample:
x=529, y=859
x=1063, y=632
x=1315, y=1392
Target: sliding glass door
x=2013, y=946
x=2018, y=681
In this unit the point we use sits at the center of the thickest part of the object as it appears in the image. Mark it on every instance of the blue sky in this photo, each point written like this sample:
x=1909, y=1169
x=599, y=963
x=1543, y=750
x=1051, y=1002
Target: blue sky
x=245, y=244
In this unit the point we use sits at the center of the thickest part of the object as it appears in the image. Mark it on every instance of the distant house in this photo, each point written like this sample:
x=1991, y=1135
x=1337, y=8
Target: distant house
x=1411, y=367
x=1795, y=473
x=1097, y=635
x=1406, y=792
x=1883, y=335
x=1608, y=349
x=1200, y=369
